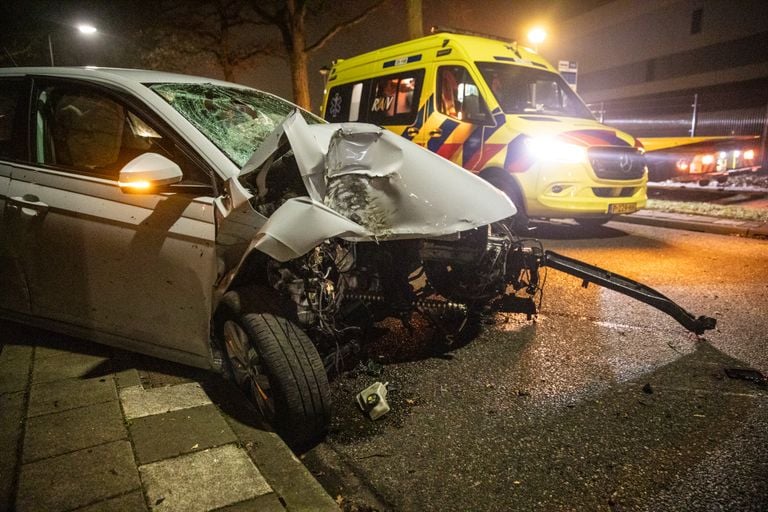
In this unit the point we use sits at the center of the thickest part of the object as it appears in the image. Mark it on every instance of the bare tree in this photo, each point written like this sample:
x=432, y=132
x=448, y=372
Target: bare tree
x=232, y=32
x=289, y=16
x=220, y=30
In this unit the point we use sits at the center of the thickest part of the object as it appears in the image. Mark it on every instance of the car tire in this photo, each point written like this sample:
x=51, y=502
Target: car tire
x=594, y=222
x=278, y=367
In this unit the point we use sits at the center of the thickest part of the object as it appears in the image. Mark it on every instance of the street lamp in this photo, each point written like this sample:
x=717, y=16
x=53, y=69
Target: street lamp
x=84, y=28
x=87, y=29
x=536, y=36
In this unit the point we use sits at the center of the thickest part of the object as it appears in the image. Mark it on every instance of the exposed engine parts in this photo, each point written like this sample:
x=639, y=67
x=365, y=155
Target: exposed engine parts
x=340, y=288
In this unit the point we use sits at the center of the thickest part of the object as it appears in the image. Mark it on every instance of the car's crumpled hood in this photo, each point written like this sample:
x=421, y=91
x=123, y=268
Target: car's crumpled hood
x=366, y=183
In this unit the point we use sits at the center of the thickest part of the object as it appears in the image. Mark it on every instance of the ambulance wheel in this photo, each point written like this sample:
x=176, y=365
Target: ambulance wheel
x=277, y=366
x=504, y=182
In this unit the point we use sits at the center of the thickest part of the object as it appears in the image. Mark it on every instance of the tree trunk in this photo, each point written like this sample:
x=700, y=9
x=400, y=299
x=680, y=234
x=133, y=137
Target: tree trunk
x=300, y=78
x=298, y=56
x=415, y=22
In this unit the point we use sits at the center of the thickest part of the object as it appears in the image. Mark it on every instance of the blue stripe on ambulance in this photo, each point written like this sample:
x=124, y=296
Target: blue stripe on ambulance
x=518, y=157
x=402, y=61
x=474, y=142
x=446, y=128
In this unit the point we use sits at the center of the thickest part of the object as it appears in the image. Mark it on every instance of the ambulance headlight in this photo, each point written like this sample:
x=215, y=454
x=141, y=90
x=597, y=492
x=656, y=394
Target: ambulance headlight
x=547, y=149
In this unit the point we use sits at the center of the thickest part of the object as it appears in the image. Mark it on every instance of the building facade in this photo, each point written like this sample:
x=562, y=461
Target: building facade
x=672, y=67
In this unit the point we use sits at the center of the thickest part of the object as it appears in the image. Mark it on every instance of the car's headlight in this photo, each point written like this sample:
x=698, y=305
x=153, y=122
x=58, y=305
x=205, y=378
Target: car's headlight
x=549, y=149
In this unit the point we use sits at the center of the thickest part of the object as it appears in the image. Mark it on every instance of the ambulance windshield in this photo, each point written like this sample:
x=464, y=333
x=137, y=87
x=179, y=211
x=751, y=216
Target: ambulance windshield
x=524, y=90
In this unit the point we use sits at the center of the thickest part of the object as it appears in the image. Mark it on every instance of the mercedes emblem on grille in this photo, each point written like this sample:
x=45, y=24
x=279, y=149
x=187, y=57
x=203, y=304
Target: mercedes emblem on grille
x=625, y=163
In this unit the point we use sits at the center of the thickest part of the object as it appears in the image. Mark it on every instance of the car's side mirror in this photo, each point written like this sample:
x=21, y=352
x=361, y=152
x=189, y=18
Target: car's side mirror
x=147, y=173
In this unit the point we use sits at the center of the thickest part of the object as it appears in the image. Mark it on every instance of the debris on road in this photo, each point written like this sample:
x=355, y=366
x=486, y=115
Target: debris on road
x=373, y=400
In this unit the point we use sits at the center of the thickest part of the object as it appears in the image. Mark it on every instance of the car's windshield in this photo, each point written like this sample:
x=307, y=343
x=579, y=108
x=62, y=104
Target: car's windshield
x=235, y=120
x=524, y=90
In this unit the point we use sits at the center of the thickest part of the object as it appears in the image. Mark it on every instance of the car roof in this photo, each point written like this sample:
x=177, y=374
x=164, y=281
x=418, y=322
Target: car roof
x=138, y=76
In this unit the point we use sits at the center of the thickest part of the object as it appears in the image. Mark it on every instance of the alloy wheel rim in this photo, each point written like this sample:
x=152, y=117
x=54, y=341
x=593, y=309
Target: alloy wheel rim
x=248, y=372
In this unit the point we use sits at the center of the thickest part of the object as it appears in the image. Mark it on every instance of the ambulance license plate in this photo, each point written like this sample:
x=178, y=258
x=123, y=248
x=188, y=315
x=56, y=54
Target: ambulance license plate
x=622, y=208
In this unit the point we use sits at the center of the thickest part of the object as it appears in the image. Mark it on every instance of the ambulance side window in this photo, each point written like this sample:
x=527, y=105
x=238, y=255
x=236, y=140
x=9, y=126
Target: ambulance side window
x=459, y=97
x=394, y=99
x=344, y=102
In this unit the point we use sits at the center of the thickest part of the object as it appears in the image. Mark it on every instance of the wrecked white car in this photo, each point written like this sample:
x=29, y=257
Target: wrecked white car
x=222, y=227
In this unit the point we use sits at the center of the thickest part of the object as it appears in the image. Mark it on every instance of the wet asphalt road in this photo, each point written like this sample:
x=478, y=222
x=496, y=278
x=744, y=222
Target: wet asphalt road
x=602, y=403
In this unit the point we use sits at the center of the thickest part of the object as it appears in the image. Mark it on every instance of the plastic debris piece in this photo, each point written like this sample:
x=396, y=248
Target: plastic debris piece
x=373, y=400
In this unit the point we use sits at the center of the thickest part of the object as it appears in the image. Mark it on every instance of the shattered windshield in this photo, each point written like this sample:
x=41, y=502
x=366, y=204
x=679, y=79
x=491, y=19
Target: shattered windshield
x=235, y=120
x=524, y=90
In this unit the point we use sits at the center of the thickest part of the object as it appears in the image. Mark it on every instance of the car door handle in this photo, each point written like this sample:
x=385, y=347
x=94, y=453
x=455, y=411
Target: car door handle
x=436, y=133
x=411, y=131
x=28, y=205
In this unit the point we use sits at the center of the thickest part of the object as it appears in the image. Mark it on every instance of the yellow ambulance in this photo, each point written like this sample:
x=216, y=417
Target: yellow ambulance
x=499, y=110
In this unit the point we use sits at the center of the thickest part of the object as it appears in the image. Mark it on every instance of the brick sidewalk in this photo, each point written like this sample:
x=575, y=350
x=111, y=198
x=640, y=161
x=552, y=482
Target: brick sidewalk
x=78, y=431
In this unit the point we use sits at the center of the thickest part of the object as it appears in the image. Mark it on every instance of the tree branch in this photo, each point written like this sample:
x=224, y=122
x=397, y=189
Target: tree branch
x=266, y=50
x=339, y=26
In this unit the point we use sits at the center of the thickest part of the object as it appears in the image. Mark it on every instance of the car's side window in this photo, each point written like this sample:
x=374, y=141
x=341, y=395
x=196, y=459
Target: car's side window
x=459, y=96
x=12, y=113
x=85, y=130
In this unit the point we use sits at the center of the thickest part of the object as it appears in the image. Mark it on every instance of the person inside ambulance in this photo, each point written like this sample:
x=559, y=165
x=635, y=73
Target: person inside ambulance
x=449, y=91
x=459, y=96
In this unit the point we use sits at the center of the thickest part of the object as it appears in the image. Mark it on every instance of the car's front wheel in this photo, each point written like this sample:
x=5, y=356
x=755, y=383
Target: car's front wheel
x=276, y=364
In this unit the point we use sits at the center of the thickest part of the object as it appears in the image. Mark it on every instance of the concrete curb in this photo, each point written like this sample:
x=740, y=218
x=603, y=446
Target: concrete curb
x=700, y=223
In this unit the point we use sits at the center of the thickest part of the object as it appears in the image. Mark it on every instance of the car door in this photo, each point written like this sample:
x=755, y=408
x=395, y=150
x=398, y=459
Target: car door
x=14, y=296
x=136, y=268
x=454, y=128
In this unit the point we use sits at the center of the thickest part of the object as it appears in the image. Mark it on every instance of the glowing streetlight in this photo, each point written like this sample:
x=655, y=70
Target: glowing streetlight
x=83, y=28
x=87, y=29
x=536, y=36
